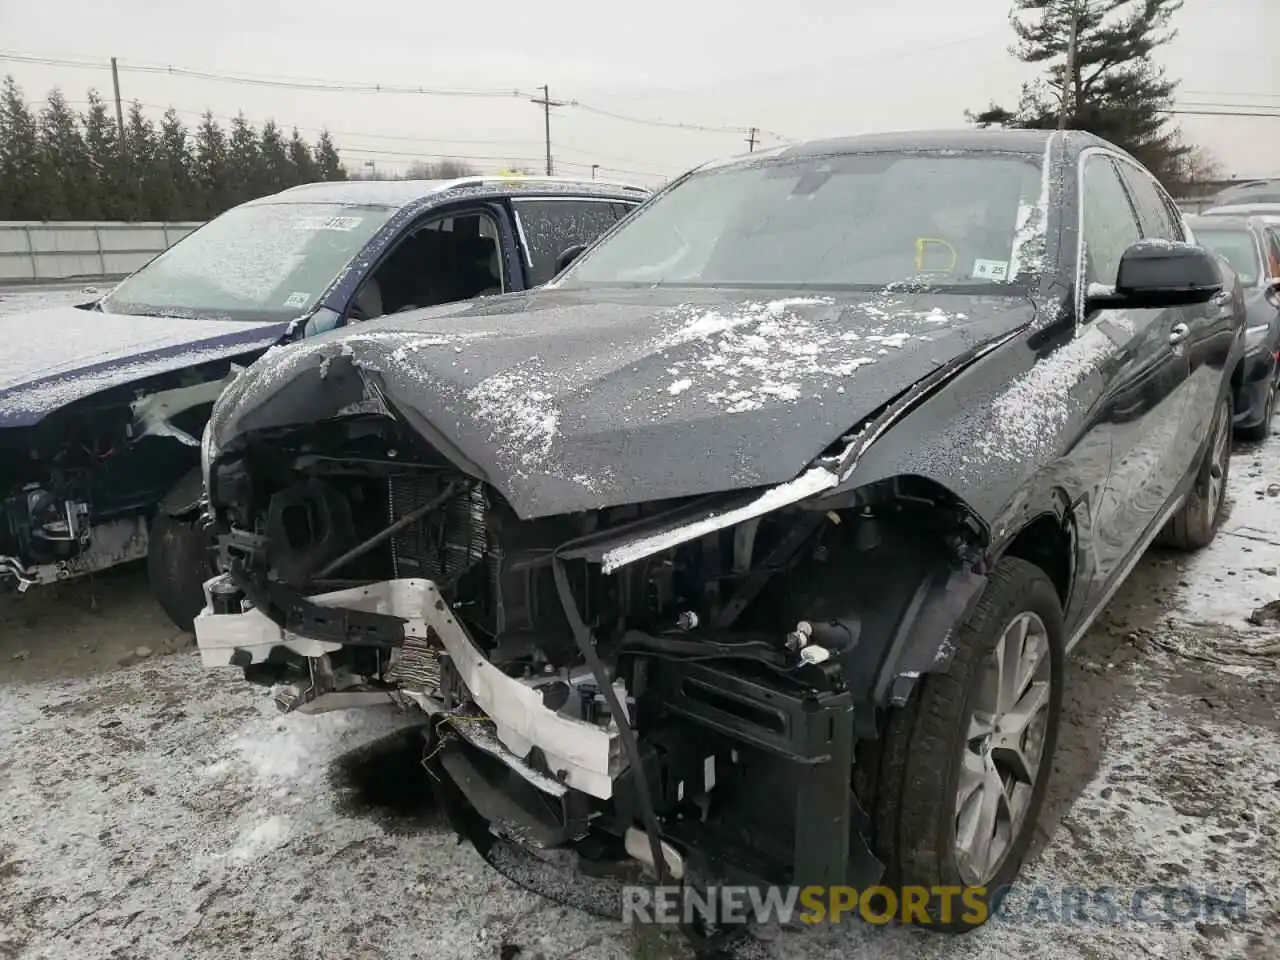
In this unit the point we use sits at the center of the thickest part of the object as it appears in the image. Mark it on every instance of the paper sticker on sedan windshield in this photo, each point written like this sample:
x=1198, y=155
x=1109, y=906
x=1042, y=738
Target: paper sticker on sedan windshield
x=329, y=223
x=340, y=223
x=990, y=269
x=297, y=299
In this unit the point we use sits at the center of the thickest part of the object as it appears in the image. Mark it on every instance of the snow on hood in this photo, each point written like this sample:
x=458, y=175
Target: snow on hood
x=54, y=357
x=570, y=400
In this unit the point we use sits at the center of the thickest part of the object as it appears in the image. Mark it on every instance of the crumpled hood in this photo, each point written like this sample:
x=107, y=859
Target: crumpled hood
x=574, y=400
x=49, y=358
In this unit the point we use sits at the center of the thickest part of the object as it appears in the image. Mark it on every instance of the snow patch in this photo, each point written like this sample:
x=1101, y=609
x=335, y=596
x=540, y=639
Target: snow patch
x=520, y=407
x=1027, y=418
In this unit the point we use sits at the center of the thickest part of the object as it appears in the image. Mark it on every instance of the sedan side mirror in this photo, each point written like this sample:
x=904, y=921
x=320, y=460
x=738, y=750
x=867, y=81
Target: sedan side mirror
x=568, y=255
x=1160, y=273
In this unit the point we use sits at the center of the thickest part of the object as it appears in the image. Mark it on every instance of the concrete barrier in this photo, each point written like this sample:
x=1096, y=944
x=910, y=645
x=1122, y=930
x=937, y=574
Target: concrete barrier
x=74, y=249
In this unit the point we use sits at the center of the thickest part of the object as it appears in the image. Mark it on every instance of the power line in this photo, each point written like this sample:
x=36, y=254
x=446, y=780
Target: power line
x=1225, y=113
x=290, y=83
x=1222, y=93
x=1205, y=105
x=332, y=86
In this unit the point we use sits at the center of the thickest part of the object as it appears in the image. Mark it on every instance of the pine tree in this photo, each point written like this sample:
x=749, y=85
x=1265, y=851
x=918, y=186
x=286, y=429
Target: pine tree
x=1115, y=89
x=276, y=171
x=328, y=164
x=141, y=174
x=65, y=170
x=300, y=159
x=244, y=161
x=59, y=166
x=21, y=185
x=103, y=143
x=176, y=196
x=212, y=168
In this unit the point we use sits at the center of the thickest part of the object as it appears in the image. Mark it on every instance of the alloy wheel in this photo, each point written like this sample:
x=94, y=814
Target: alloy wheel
x=1004, y=748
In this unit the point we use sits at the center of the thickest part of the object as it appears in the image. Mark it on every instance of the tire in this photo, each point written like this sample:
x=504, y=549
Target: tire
x=1260, y=431
x=179, y=561
x=1196, y=522
x=915, y=809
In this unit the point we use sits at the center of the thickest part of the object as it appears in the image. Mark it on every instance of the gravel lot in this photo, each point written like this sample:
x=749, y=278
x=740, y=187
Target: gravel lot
x=151, y=809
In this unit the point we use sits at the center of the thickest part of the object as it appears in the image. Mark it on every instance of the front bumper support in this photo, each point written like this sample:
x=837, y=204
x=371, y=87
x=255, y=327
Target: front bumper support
x=580, y=755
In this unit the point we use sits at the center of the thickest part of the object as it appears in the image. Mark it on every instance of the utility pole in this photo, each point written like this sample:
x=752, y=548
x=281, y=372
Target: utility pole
x=547, y=103
x=1069, y=73
x=115, y=83
x=752, y=135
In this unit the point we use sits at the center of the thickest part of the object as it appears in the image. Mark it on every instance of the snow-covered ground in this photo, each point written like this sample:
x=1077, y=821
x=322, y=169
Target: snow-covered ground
x=157, y=810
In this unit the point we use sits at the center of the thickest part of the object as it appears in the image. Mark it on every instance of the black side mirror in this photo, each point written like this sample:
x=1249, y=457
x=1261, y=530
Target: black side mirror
x=568, y=255
x=1160, y=273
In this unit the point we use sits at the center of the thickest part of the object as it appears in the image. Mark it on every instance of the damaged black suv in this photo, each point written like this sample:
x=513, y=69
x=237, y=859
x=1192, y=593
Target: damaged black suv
x=750, y=548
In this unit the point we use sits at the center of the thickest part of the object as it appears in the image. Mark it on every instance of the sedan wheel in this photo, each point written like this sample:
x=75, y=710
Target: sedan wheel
x=955, y=785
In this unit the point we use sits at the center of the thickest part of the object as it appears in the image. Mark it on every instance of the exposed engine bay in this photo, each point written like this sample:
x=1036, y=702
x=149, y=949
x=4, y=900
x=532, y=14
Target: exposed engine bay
x=78, y=487
x=657, y=684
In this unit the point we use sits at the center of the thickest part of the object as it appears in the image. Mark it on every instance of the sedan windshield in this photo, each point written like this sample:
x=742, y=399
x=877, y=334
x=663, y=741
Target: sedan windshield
x=1238, y=248
x=269, y=261
x=947, y=219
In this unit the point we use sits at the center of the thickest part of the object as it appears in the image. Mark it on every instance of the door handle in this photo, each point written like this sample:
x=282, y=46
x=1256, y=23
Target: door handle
x=1179, y=333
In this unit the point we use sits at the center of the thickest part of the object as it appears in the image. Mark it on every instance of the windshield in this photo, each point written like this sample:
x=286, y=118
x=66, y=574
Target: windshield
x=259, y=262
x=1238, y=248
x=860, y=220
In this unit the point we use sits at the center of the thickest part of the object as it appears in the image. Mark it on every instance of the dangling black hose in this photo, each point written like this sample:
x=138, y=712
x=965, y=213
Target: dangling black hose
x=582, y=636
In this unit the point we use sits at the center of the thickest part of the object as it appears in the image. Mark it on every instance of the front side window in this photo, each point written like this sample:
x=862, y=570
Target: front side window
x=268, y=261
x=1110, y=226
x=1238, y=248
x=862, y=220
x=441, y=260
x=549, y=227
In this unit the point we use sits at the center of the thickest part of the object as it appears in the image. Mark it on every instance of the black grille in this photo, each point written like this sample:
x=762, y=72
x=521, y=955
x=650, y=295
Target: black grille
x=446, y=543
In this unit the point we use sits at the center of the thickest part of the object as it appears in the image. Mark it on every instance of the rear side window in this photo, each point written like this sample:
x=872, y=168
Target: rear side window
x=1110, y=226
x=548, y=227
x=1153, y=212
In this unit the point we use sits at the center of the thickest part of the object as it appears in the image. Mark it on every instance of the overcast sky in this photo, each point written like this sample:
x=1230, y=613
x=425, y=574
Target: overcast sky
x=803, y=69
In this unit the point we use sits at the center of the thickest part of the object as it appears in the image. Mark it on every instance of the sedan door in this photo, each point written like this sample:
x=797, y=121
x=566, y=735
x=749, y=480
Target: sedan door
x=1143, y=410
x=1204, y=332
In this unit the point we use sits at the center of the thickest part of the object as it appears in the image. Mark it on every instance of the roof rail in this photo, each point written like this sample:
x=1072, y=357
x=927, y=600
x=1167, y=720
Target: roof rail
x=535, y=178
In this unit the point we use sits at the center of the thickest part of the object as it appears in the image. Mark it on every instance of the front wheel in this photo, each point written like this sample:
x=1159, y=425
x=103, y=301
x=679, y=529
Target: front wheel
x=179, y=561
x=965, y=766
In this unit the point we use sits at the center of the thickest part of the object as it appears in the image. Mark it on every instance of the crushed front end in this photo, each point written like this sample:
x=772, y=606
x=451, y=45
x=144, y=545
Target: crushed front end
x=607, y=694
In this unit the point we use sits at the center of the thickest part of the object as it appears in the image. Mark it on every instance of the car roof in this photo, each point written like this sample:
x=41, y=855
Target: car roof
x=969, y=139
x=396, y=194
x=1225, y=222
x=1016, y=141
x=1254, y=191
